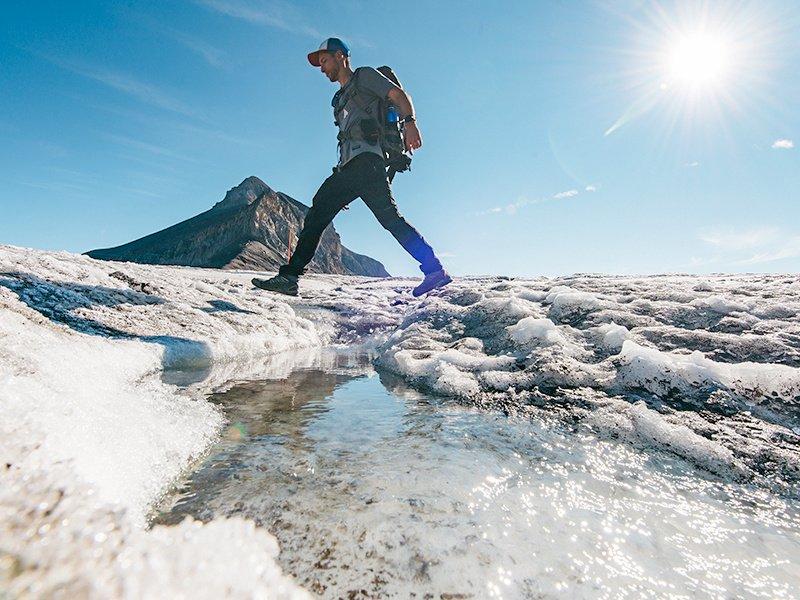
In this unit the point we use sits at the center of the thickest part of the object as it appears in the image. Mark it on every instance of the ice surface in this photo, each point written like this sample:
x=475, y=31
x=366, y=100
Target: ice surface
x=86, y=350
x=666, y=372
x=706, y=368
x=89, y=424
x=727, y=348
x=62, y=542
x=613, y=336
x=380, y=491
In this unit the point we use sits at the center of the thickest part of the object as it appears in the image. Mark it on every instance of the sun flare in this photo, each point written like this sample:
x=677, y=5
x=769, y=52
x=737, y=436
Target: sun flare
x=699, y=60
x=692, y=65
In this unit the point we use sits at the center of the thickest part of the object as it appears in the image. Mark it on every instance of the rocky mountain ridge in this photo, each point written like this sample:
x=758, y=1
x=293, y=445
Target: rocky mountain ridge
x=251, y=228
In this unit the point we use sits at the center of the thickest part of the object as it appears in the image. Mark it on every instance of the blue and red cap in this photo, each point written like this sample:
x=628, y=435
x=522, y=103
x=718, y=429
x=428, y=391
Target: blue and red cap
x=330, y=45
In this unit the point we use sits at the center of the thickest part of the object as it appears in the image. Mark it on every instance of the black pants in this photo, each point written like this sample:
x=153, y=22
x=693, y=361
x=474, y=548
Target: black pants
x=365, y=177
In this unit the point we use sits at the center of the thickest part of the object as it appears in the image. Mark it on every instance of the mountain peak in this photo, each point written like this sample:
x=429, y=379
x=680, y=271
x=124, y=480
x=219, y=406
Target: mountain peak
x=247, y=192
x=250, y=229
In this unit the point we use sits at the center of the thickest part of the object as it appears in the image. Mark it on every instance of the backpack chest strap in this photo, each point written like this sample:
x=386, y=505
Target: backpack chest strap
x=353, y=98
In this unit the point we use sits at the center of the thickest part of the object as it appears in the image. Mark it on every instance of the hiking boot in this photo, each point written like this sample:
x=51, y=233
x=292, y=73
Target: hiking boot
x=432, y=281
x=282, y=284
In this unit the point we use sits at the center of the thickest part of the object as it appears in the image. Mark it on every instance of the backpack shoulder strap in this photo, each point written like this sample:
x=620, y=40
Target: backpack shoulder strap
x=356, y=93
x=387, y=72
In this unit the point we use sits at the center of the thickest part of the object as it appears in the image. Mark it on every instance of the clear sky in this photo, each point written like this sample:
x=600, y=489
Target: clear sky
x=614, y=136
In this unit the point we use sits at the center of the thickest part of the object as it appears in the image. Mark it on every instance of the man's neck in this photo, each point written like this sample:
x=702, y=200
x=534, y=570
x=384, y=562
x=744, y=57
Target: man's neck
x=344, y=76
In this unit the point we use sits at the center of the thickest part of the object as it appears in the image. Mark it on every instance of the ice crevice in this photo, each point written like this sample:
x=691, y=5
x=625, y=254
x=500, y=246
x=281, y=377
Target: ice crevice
x=707, y=368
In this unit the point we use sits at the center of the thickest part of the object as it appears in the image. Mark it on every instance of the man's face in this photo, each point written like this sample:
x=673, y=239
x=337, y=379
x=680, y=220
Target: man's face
x=329, y=65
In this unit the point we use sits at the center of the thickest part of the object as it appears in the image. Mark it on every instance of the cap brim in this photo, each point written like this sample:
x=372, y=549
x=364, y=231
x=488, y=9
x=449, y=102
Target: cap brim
x=313, y=58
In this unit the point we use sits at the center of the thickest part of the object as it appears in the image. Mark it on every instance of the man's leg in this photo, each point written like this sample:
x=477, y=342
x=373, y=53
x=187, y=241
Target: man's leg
x=377, y=195
x=335, y=193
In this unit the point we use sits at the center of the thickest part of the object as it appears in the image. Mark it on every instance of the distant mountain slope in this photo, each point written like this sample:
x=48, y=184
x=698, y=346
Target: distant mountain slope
x=251, y=228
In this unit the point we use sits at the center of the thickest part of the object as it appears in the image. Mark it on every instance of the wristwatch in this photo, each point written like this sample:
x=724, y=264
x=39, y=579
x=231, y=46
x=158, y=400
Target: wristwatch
x=408, y=119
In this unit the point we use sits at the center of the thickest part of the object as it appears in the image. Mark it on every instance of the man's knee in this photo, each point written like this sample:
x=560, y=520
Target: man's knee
x=389, y=218
x=402, y=232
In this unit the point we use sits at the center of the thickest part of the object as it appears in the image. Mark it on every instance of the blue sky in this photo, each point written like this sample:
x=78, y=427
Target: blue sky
x=556, y=137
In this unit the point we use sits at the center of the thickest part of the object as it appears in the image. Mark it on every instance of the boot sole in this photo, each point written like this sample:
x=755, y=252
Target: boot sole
x=438, y=285
x=259, y=283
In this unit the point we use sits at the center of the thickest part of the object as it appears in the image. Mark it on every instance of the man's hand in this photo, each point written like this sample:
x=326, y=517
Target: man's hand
x=412, y=136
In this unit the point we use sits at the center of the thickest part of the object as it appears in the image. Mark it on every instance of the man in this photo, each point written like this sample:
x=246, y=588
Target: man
x=361, y=171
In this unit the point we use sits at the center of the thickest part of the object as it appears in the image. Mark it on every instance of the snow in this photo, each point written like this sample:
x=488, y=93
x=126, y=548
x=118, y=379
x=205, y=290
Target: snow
x=613, y=336
x=637, y=423
x=721, y=304
x=77, y=386
x=531, y=328
x=62, y=542
x=663, y=343
x=94, y=433
x=83, y=345
x=664, y=373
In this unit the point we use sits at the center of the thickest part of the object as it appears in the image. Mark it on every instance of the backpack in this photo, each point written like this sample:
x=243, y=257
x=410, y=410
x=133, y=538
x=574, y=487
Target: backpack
x=384, y=128
x=392, y=141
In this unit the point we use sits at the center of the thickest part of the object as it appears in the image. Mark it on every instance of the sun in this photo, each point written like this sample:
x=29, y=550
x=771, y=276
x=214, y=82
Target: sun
x=690, y=66
x=699, y=60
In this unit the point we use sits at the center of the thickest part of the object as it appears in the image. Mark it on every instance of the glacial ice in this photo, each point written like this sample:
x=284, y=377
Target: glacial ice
x=705, y=368
x=649, y=347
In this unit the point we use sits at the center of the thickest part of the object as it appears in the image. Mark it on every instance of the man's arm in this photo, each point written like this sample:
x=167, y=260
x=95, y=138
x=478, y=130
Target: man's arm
x=403, y=103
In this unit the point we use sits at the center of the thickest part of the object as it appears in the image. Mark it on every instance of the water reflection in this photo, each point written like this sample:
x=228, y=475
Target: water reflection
x=375, y=490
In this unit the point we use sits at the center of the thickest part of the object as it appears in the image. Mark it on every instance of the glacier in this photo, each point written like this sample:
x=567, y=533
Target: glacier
x=94, y=431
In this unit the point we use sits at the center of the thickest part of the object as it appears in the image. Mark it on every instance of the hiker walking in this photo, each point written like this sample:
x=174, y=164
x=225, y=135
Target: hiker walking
x=370, y=109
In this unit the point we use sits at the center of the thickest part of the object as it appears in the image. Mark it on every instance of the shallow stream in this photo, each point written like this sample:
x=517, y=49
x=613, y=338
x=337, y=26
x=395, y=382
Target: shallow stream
x=376, y=490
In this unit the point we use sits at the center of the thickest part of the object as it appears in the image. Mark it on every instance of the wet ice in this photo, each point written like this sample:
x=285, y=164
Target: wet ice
x=376, y=489
x=702, y=372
